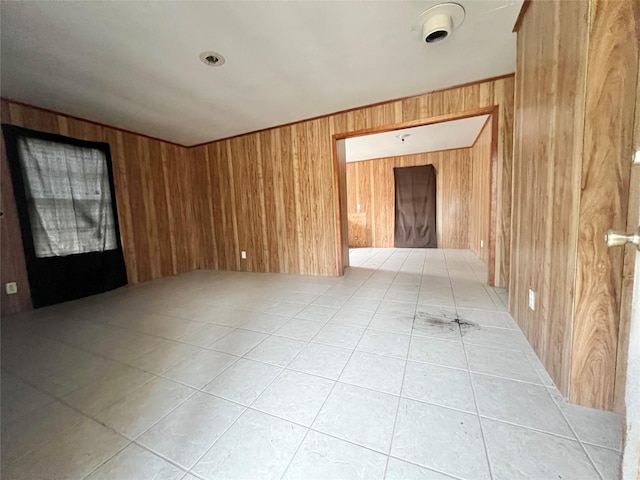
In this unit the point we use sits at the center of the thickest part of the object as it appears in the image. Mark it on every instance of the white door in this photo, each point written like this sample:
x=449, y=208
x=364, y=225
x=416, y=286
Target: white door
x=631, y=455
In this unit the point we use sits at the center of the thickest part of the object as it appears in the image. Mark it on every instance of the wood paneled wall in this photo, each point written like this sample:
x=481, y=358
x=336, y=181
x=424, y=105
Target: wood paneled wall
x=610, y=108
x=575, y=99
x=273, y=194
x=273, y=198
x=289, y=172
x=480, y=204
x=154, y=193
x=370, y=184
x=12, y=267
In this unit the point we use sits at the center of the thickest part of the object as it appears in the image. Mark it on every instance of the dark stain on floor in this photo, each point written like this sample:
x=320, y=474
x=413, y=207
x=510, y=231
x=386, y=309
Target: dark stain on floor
x=443, y=323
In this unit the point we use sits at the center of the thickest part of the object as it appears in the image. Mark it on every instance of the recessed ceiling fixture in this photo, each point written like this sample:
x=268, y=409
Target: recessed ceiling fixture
x=212, y=59
x=437, y=23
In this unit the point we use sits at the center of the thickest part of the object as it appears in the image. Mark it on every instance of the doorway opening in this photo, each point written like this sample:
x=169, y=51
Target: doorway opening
x=462, y=151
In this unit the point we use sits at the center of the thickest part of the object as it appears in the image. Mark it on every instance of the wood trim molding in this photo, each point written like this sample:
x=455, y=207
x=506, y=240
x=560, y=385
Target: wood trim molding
x=475, y=142
x=430, y=151
x=296, y=178
x=453, y=87
x=493, y=118
x=523, y=10
x=417, y=123
x=337, y=199
x=81, y=119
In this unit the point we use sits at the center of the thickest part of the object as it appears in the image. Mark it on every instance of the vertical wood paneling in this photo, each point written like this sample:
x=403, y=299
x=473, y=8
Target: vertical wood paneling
x=116, y=144
x=549, y=105
x=272, y=221
x=290, y=204
x=341, y=160
x=608, y=140
x=453, y=210
x=297, y=161
x=274, y=200
x=480, y=194
x=203, y=203
x=12, y=260
x=504, y=176
x=575, y=99
x=224, y=207
x=270, y=193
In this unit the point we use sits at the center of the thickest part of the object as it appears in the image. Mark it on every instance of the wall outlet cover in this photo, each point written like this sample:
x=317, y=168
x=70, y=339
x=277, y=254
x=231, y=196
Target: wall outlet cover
x=11, y=288
x=532, y=300
x=243, y=255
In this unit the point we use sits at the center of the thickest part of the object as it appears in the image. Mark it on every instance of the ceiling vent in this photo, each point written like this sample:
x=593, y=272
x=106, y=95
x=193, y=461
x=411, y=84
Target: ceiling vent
x=212, y=59
x=437, y=23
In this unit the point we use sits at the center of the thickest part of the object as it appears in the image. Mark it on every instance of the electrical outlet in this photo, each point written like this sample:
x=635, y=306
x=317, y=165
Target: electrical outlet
x=358, y=207
x=12, y=288
x=243, y=255
x=481, y=243
x=532, y=300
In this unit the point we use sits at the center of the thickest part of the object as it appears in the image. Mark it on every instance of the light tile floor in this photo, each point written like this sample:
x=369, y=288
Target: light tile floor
x=222, y=375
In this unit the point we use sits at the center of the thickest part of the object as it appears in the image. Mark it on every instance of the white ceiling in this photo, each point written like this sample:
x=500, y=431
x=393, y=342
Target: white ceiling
x=427, y=138
x=135, y=65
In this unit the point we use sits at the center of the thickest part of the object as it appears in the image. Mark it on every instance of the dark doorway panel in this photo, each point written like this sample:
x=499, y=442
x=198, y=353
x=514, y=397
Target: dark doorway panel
x=415, y=207
x=66, y=205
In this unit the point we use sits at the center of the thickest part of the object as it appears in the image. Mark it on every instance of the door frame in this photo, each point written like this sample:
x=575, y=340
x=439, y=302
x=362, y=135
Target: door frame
x=339, y=180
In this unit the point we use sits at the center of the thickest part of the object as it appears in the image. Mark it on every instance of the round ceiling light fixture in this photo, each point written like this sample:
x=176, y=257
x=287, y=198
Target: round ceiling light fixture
x=402, y=136
x=437, y=23
x=212, y=59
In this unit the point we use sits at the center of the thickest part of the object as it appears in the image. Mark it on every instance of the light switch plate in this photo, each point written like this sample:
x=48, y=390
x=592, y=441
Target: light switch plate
x=11, y=288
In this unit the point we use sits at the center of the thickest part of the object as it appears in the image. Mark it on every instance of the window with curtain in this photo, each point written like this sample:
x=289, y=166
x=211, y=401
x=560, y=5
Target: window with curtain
x=68, y=198
x=64, y=193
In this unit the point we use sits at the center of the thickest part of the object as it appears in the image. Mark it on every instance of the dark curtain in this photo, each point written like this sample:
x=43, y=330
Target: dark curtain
x=68, y=217
x=415, y=210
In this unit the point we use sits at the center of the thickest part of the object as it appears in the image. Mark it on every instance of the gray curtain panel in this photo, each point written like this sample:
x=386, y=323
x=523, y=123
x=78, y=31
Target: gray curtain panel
x=68, y=197
x=415, y=208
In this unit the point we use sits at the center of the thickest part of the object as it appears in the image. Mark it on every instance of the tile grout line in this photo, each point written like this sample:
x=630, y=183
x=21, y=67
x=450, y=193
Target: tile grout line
x=473, y=390
x=356, y=280
x=579, y=440
x=475, y=401
x=262, y=392
x=246, y=407
x=536, y=369
x=135, y=440
x=154, y=377
x=341, y=372
x=201, y=390
x=86, y=415
x=453, y=292
x=404, y=371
